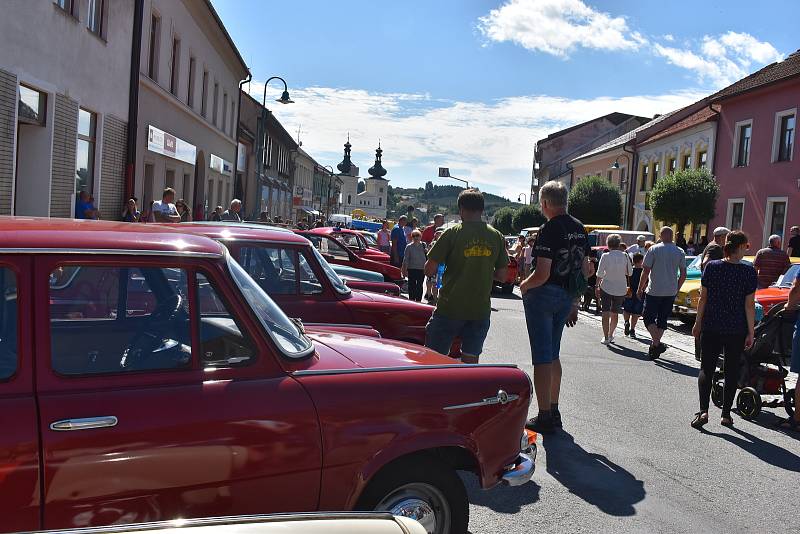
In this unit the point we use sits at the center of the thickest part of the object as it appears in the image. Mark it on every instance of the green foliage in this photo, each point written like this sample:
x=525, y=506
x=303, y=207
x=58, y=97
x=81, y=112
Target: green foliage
x=687, y=196
x=527, y=216
x=503, y=220
x=594, y=200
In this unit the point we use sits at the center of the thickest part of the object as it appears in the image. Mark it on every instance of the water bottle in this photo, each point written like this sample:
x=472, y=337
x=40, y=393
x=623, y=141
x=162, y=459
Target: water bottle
x=439, y=276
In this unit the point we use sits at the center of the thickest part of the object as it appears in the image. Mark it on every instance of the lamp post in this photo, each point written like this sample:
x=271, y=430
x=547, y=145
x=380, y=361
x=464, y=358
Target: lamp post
x=622, y=181
x=522, y=195
x=261, y=134
x=328, y=195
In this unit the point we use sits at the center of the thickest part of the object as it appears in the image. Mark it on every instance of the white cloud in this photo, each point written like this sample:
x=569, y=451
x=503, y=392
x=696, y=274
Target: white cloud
x=723, y=59
x=557, y=27
x=491, y=144
x=669, y=37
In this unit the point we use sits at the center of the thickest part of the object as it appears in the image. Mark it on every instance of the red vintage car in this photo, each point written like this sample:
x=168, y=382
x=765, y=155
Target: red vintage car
x=354, y=241
x=777, y=293
x=334, y=252
x=211, y=402
x=296, y=276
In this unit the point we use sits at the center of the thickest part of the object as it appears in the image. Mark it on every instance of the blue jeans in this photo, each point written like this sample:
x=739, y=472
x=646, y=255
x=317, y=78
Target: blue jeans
x=442, y=331
x=546, y=310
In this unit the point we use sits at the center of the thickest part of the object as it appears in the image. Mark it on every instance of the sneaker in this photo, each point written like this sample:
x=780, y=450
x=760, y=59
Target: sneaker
x=556, y=418
x=540, y=425
x=652, y=353
x=661, y=349
x=627, y=328
x=610, y=339
x=605, y=341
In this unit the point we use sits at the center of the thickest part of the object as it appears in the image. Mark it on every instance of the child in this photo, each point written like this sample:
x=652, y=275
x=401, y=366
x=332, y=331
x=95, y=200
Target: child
x=414, y=265
x=633, y=306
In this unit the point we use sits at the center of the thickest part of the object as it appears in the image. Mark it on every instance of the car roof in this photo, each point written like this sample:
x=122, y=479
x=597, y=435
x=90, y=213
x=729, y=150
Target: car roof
x=74, y=235
x=242, y=231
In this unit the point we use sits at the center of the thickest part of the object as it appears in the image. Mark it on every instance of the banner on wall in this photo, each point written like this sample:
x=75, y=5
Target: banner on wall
x=166, y=144
x=221, y=166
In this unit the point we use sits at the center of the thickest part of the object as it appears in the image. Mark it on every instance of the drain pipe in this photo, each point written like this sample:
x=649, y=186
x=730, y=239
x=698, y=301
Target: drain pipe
x=632, y=176
x=133, y=100
x=236, y=141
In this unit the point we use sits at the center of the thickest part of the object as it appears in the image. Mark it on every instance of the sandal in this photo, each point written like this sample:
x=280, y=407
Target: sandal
x=788, y=423
x=726, y=421
x=700, y=419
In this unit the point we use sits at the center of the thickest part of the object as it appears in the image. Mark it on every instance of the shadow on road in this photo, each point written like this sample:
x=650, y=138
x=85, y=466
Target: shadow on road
x=677, y=367
x=502, y=499
x=628, y=352
x=769, y=419
x=592, y=477
x=763, y=450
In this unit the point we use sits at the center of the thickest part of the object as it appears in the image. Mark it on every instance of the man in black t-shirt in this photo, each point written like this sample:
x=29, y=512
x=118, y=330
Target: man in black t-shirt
x=562, y=253
x=794, y=243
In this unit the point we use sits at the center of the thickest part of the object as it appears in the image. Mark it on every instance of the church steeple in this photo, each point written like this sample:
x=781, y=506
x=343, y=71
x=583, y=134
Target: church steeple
x=377, y=171
x=345, y=166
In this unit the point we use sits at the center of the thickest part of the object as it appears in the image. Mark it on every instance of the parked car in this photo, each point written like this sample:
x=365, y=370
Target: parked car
x=296, y=276
x=778, y=293
x=212, y=402
x=507, y=284
x=355, y=241
x=370, y=239
x=334, y=252
x=356, y=274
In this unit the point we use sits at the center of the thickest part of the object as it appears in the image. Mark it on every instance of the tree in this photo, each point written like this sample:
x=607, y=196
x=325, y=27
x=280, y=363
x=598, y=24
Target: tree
x=503, y=220
x=594, y=200
x=527, y=216
x=683, y=197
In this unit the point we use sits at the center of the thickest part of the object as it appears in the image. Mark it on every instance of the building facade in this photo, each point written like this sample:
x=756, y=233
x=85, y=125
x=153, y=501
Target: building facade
x=303, y=187
x=757, y=165
x=372, y=200
x=189, y=79
x=64, y=93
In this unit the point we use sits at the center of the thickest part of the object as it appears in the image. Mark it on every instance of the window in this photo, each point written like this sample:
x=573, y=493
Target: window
x=175, y=66
x=267, y=151
x=155, y=38
x=687, y=162
x=609, y=176
x=672, y=165
x=84, y=168
x=204, y=95
x=169, y=179
x=224, y=342
x=274, y=269
x=8, y=323
x=656, y=172
x=32, y=106
x=776, y=218
x=67, y=5
x=97, y=13
x=786, y=138
x=622, y=177
x=190, y=92
x=224, y=125
x=328, y=246
x=735, y=213
x=233, y=119
x=215, y=102
x=118, y=319
x=380, y=201
x=743, y=133
x=702, y=159
x=645, y=177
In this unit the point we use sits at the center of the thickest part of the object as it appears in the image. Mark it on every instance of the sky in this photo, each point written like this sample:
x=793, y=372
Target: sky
x=473, y=84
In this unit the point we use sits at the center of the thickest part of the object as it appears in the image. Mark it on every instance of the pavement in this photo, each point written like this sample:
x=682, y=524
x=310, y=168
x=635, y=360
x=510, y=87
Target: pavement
x=627, y=459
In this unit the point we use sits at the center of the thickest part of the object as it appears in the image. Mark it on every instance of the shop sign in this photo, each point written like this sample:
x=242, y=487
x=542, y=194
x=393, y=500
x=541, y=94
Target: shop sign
x=221, y=166
x=166, y=144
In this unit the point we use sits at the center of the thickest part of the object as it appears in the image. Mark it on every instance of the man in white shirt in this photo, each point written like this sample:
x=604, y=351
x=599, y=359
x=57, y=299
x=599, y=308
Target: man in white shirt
x=613, y=273
x=232, y=213
x=164, y=210
x=638, y=246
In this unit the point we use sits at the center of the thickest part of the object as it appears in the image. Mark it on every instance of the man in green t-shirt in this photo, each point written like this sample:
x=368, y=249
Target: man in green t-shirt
x=475, y=255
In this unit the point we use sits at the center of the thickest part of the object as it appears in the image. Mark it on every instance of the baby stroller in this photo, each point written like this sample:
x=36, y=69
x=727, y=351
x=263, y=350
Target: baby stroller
x=762, y=381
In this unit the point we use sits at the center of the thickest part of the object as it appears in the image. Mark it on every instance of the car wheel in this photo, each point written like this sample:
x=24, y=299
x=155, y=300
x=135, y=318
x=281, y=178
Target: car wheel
x=421, y=489
x=717, y=388
x=748, y=402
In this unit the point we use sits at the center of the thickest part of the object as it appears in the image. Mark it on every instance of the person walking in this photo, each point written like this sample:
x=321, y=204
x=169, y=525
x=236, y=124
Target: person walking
x=414, y=265
x=232, y=213
x=713, y=251
x=613, y=278
x=771, y=262
x=790, y=423
x=399, y=241
x=475, y=255
x=430, y=231
x=633, y=305
x=663, y=273
x=793, y=249
x=725, y=323
x=384, y=238
x=550, y=296
x=164, y=211
x=527, y=257
x=130, y=213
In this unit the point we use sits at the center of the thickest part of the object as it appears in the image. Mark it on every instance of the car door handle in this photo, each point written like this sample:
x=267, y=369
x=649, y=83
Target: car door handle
x=85, y=423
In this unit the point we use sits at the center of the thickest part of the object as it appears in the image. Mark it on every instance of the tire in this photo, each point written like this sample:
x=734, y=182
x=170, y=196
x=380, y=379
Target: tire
x=748, y=402
x=788, y=402
x=716, y=393
x=507, y=289
x=420, y=485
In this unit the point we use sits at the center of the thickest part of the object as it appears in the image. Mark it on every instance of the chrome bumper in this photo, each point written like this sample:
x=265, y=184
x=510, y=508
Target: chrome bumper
x=521, y=471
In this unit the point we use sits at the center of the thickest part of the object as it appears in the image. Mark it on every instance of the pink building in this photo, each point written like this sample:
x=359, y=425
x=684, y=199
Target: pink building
x=755, y=161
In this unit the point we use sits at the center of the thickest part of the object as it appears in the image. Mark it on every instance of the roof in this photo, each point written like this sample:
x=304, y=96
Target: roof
x=703, y=115
x=772, y=73
x=242, y=231
x=227, y=35
x=616, y=118
x=73, y=235
x=624, y=138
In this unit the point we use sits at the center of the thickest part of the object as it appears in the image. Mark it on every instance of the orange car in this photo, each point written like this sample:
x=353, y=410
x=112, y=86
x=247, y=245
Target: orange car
x=778, y=292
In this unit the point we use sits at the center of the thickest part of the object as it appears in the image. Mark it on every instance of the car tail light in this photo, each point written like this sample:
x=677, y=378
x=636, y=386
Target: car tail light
x=528, y=440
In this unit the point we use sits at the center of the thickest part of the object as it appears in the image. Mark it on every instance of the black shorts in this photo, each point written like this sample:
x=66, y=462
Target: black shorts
x=657, y=310
x=611, y=303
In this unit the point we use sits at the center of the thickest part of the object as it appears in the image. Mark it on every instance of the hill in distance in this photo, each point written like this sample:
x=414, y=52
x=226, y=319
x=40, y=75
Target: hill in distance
x=433, y=199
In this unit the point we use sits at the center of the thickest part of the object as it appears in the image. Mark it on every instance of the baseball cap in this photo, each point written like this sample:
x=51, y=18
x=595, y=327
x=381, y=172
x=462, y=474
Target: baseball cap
x=721, y=230
x=641, y=238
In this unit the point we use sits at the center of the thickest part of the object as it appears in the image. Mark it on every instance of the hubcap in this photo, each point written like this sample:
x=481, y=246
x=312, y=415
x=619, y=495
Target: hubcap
x=421, y=502
x=418, y=510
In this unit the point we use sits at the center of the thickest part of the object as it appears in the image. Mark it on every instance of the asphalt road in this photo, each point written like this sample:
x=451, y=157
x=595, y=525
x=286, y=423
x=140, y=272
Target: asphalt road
x=627, y=459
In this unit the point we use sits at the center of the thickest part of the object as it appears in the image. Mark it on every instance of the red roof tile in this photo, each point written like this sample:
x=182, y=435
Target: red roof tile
x=703, y=115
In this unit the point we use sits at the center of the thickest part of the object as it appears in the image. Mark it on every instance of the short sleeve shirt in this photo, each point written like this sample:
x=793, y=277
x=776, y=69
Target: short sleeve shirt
x=383, y=238
x=399, y=237
x=563, y=240
x=165, y=208
x=665, y=260
x=728, y=285
x=472, y=252
x=713, y=252
x=794, y=243
x=614, y=270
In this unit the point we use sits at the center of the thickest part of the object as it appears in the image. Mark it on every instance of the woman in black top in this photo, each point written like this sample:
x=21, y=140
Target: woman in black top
x=725, y=321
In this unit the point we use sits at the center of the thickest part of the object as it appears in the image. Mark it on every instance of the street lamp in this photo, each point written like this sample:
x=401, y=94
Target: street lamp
x=522, y=195
x=328, y=196
x=261, y=135
x=622, y=181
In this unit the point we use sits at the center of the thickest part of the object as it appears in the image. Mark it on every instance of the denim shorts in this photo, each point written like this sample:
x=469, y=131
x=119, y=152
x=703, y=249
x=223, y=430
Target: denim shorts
x=441, y=331
x=794, y=366
x=657, y=310
x=546, y=310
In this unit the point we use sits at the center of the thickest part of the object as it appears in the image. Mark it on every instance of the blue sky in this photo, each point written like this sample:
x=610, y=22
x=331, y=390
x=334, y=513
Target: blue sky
x=473, y=84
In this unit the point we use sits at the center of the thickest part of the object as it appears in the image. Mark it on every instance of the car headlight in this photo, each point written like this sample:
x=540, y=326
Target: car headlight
x=688, y=301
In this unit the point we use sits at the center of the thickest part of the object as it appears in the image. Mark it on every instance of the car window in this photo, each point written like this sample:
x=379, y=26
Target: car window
x=8, y=323
x=223, y=341
x=89, y=335
x=328, y=246
x=787, y=278
x=349, y=240
x=695, y=265
x=309, y=283
x=273, y=268
x=337, y=282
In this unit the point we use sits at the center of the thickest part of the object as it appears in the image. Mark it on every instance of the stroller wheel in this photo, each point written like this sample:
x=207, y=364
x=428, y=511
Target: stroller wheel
x=788, y=402
x=748, y=402
x=716, y=393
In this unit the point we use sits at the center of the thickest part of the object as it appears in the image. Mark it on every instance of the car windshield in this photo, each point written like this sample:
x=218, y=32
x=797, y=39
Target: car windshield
x=336, y=282
x=370, y=239
x=695, y=265
x=286, y=334
x=787, y=278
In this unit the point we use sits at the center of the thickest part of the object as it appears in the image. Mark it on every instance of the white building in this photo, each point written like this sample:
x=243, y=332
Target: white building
x=372, y=200
x=64, y=94
x=189, y=79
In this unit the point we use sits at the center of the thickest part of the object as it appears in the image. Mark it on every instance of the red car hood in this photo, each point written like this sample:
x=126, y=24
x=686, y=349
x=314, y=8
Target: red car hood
x=770, y=296
x=379, y=298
